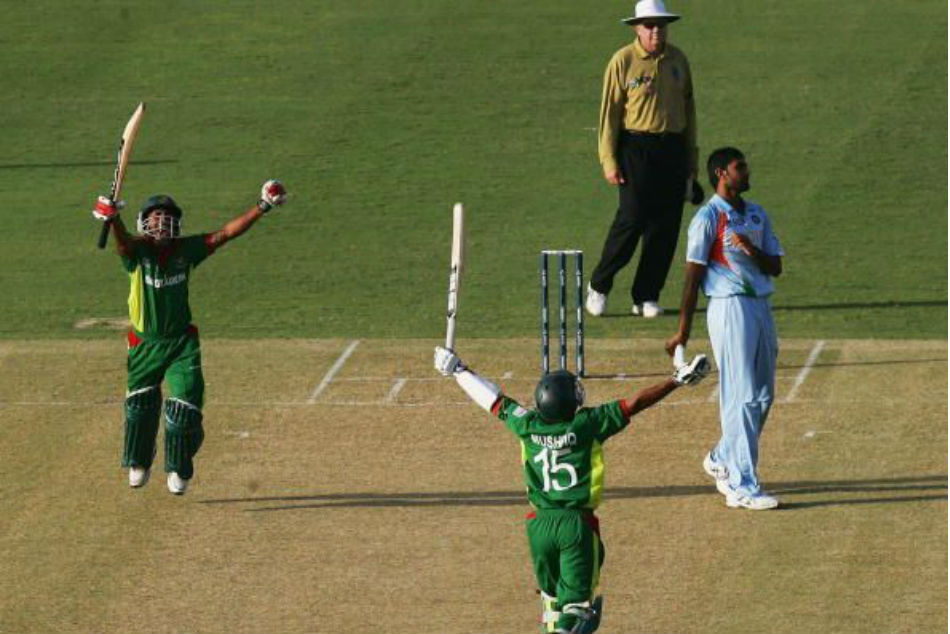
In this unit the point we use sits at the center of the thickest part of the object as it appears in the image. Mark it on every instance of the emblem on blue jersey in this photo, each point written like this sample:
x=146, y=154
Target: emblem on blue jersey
x=755, y=220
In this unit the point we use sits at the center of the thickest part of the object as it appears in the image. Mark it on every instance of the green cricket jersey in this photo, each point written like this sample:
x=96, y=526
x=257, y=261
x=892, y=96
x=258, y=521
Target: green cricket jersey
x=563, y=462
x=158, y=299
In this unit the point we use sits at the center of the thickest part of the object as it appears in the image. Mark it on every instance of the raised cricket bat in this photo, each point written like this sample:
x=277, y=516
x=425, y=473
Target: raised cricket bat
x=455, y=273
x=122, y=163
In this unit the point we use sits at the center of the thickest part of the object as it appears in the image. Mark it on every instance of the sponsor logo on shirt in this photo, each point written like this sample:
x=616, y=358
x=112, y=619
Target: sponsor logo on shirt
x=161, y=282
x=555, y=442
x=642, y=80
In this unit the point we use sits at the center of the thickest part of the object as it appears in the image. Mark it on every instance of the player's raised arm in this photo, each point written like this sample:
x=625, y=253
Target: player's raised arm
x=485, y=393
x=688, y=374
x=273, y=195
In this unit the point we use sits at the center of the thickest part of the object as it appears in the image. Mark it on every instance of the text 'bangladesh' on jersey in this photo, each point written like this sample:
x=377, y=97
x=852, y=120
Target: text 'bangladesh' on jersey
x=158, y=298
x=563, y=462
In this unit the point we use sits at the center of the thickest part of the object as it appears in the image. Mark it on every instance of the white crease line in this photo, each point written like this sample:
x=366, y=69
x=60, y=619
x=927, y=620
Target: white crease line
x=397, y=387
x=333, y=371
x=809, y=362
x=507, y=375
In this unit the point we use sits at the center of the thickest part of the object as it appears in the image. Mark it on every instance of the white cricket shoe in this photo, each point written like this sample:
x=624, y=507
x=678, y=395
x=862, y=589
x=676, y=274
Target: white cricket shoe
x=757, y=502
x=596, y=302
x=718, y=472
x=138, y=476
x=647, y=309
x=176, y=484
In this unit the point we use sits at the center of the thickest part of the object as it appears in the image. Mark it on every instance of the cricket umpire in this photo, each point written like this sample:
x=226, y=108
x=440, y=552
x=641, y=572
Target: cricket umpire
x=647, y=148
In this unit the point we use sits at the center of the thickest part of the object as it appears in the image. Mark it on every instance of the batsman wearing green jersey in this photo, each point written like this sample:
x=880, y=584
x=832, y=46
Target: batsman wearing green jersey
x=563, y=461
x=163, y=342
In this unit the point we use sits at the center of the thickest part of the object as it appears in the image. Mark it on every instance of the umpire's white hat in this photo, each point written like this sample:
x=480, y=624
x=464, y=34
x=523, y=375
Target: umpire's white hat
x=650, y=9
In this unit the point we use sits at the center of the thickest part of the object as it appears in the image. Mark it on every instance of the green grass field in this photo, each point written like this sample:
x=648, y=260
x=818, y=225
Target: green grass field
x=380, y=500
x=380, y=115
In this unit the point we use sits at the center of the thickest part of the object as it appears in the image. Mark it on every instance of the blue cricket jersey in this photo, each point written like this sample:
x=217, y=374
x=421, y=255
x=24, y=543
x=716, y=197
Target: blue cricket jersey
x=730, y=271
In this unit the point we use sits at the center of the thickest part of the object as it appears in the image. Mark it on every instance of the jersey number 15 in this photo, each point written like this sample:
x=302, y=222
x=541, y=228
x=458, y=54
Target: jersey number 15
x=550, y=467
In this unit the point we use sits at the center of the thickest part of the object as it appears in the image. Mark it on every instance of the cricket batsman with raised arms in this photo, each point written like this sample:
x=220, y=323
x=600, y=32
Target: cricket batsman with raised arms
x=163, y=342
x=562, y=457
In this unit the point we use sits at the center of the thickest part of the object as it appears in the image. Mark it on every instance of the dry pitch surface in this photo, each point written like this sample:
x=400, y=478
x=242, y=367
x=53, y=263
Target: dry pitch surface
x=345, y=487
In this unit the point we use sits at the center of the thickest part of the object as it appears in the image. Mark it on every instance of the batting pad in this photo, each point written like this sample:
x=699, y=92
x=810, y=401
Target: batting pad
x=142, y=409
x=183, y=436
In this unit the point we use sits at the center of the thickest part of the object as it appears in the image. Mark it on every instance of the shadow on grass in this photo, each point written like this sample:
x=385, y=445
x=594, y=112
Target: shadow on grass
x=908, y=489
x=923, y=303
x=24, y=166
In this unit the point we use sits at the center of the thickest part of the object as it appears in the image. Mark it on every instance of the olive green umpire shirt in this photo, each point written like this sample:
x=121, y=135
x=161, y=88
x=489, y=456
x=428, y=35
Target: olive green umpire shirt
x=646, y=94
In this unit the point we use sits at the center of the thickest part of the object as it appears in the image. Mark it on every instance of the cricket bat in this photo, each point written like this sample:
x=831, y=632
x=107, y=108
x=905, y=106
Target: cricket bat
x=455, y=273
x=122, y=163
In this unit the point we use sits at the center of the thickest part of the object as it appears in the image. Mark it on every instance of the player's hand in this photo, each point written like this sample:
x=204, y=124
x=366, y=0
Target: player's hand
x=694, y=191
x=692, y=372
x=273, y=194
x=106, y=210
x=447, y=362
x=742, y=242
x=676, y=340
x=614, y=176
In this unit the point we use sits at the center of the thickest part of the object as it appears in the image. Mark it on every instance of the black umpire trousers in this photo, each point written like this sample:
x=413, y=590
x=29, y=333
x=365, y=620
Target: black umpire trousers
x=655, y=168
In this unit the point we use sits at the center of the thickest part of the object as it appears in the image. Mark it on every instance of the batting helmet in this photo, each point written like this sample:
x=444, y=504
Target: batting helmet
x=558, y=396
x=170, y=228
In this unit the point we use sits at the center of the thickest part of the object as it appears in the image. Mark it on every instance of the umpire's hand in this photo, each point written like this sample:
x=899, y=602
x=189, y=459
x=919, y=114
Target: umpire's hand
x=614, y=176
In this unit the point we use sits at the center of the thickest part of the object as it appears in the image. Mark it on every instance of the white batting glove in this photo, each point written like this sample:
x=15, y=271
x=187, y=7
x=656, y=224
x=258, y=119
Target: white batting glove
x=447, y=362
x=693, y=372
x=273, y=194
x=106, y=210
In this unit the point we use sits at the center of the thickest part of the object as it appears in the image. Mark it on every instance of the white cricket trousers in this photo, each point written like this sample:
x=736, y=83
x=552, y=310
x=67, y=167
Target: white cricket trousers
x=745, y=345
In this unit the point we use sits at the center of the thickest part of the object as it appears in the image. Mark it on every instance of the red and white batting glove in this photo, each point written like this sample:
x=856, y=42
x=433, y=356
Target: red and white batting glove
x=106, y=210
x=273, y=195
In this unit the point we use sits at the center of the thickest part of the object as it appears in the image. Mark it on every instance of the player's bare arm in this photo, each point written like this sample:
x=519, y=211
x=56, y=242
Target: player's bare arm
x=273, y=194
x=694, y=275
x=769, y=264
x=688, y=374
x=648, y=397
x=123, y=239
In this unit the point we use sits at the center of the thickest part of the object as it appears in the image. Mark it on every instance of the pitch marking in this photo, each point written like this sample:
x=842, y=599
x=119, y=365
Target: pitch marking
x=812, y=357
x=332, y=372
x=397, y=387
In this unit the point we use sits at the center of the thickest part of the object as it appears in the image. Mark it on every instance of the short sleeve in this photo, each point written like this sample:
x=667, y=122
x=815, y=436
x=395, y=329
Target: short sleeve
x=701, y=235
x=130, y=262
x=608, y=419
x=513, y=415
x=197, y=248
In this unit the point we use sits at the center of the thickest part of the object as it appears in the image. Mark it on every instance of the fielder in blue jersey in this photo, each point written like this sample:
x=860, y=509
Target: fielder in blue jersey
x=733, y=254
